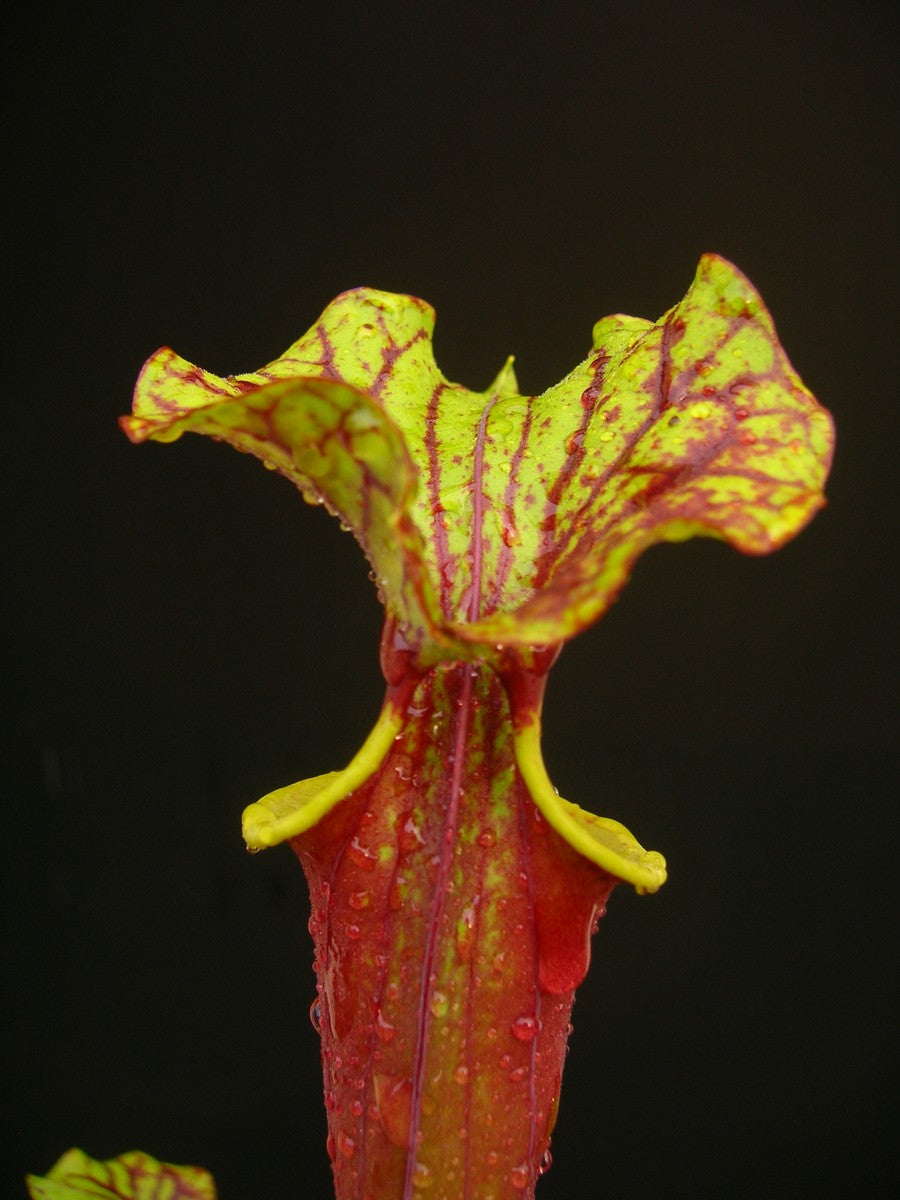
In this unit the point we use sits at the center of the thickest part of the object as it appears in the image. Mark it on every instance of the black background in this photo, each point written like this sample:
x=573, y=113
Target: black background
x=183, y=634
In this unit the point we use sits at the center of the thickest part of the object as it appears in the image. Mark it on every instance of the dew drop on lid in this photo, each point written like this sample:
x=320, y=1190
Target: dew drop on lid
x=510, y=534
x=438, y=1004
x=546, y=1162
x=486, y=839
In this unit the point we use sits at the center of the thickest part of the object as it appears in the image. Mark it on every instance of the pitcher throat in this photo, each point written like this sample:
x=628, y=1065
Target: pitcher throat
x=451, y=926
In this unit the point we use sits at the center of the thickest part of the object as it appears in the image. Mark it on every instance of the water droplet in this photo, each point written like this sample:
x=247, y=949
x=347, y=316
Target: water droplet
x=360, y=900
x=422, y=1177
x=741, y=414
x=574, y=442
x=331, y=1146
x=525, y=1028
x=315, y=1015
x=356, y=1108
x=487, y=839
x=409, y=835
x=747, y=438
x=393, y=1096
x=345, y=1144
x=438, y=1004
x=517, y=1074
x=384, y=1028
x=509, y=533
x=546, y=1162
x=352, y=932
x=360, y=856
x=253, y=849
x=518, y=1177
x=465, y=933
x=492, y=1158
x=461, y=1074
x=361, y=420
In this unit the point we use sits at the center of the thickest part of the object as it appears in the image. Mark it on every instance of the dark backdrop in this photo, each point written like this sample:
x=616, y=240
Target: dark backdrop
x=183, y=634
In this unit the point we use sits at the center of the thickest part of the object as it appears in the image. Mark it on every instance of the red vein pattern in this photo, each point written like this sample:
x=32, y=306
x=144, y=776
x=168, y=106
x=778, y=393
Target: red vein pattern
x=451, y=923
